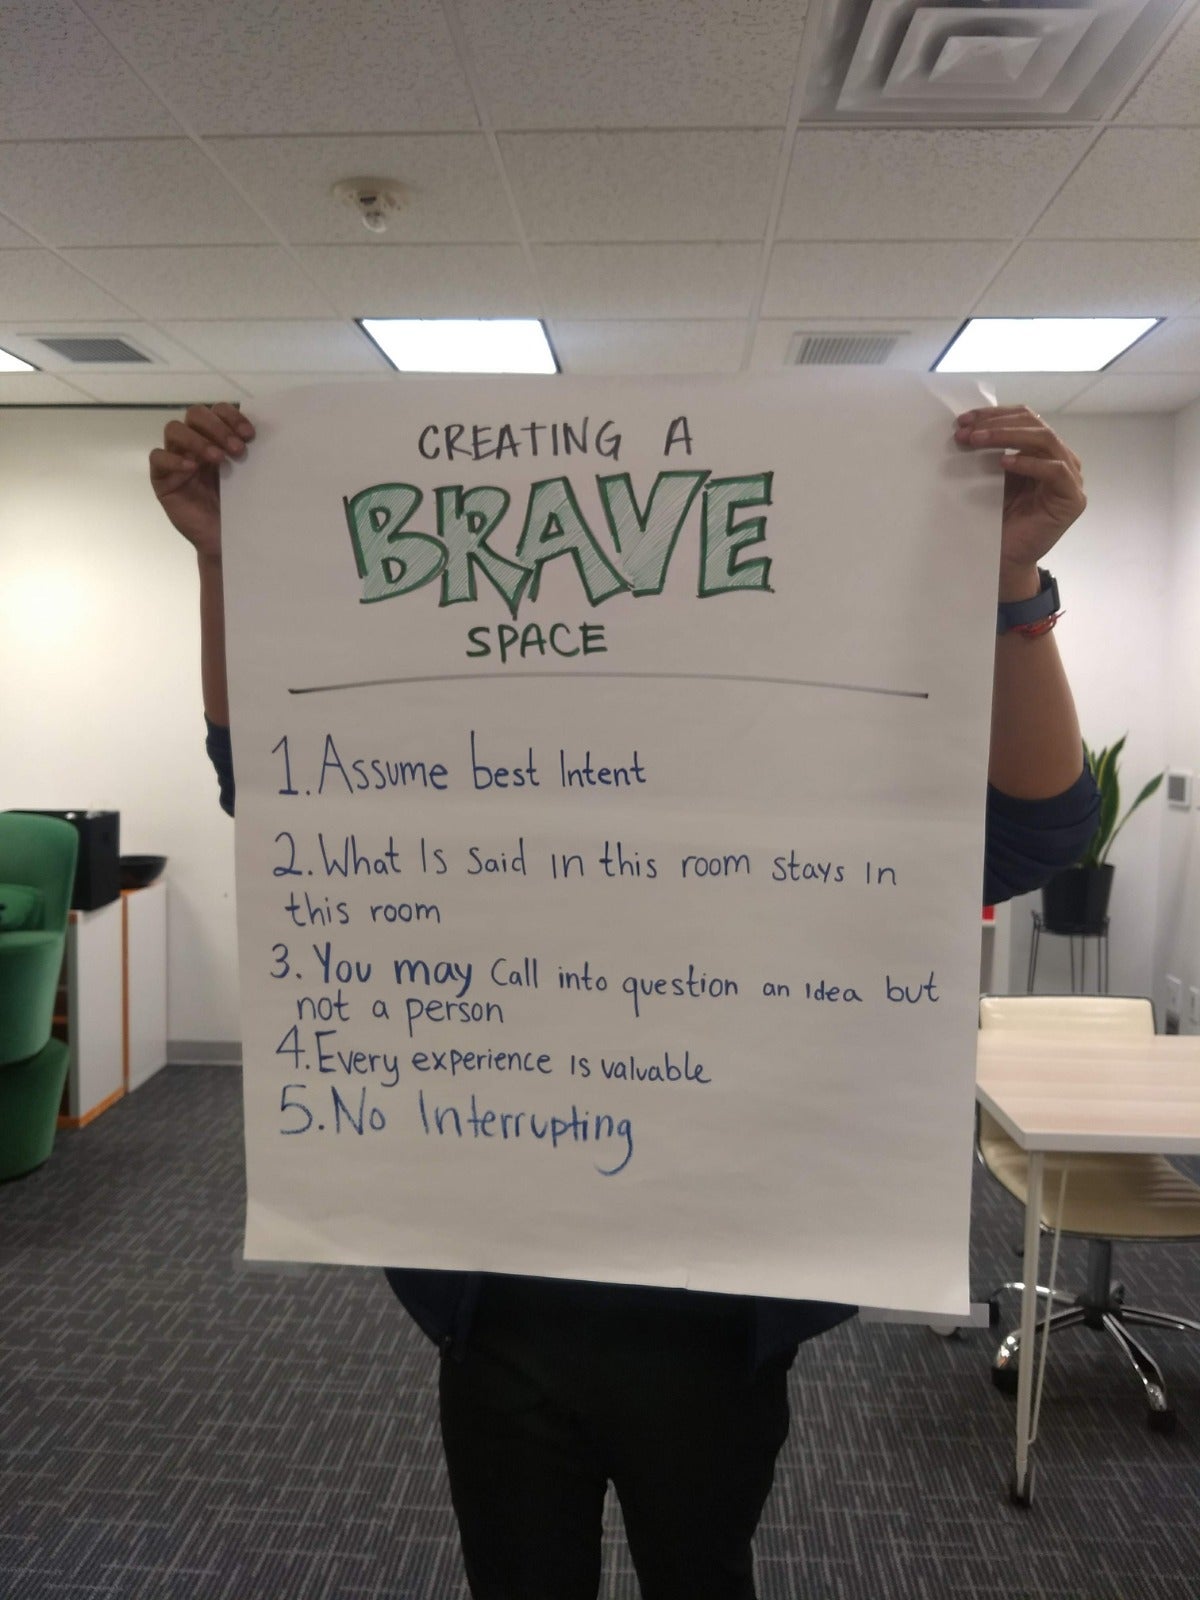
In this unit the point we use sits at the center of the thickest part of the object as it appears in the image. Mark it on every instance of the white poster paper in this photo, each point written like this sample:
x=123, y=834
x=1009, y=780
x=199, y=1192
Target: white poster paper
x=611, y=761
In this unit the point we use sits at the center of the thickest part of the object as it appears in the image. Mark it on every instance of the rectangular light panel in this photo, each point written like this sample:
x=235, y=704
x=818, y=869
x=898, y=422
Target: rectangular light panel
x=1041, y=344
x=446, y=345
x=11, y=363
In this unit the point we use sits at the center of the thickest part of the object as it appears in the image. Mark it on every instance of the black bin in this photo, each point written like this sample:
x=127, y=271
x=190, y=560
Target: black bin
x=98, y=872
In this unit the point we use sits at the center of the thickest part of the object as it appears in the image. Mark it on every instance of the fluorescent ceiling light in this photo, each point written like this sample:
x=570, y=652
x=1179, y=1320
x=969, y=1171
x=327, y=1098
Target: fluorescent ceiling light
x=444, y=345
x=1041, y=344
x=11, y=363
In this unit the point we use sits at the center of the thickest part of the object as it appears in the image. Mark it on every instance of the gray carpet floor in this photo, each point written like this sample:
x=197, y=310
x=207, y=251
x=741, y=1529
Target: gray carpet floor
x=178, y=1425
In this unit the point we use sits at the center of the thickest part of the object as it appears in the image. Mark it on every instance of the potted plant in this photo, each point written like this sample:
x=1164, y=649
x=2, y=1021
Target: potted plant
x=1076, y=900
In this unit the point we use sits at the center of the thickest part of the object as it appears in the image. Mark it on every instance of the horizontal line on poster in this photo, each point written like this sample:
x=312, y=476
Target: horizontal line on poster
x=680, y=677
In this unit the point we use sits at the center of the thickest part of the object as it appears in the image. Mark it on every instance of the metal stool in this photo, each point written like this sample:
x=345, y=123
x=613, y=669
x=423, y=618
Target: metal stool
x=1099, y=932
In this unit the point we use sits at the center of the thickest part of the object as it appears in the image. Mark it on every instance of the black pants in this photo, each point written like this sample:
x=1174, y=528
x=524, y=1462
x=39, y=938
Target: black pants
x=566, y=1387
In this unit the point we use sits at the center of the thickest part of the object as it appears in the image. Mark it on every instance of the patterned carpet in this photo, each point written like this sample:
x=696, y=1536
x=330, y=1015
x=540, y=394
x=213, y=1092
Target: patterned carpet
x=176, y=1425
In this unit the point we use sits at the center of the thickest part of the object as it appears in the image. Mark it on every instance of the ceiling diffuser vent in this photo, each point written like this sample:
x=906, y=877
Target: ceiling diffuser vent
x=903, y=60
x=841, y=349
x=103, y=349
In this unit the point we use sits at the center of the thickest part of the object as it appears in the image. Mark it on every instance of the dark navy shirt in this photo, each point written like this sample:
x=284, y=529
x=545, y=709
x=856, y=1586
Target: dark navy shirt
x=1026, y=842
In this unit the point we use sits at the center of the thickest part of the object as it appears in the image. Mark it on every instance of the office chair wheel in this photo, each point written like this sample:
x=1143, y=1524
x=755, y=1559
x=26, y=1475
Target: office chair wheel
x=1005, y=1379
x=1023, y=1497
x=1161, y=1421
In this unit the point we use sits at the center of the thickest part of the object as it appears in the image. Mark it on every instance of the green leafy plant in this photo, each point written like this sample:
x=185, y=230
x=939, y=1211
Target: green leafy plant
x=1104, y=764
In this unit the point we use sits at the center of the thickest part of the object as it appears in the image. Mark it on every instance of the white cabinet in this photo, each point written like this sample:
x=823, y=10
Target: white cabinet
x=145, y=912
x=94, y=1020
x=114, y=1014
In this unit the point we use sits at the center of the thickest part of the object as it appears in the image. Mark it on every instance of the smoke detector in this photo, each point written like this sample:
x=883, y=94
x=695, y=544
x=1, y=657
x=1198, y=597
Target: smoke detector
x=375, y=199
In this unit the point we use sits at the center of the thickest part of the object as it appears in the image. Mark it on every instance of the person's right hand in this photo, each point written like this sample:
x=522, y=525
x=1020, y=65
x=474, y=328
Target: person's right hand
x=184, y=472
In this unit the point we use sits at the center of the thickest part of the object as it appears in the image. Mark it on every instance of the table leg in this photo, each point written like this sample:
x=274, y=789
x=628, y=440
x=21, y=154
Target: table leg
x=1025, y=1367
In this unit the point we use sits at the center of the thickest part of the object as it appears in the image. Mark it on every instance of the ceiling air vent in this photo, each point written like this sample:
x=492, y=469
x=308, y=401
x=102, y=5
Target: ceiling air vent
x=841, y=349
x=102, y=348
x=975, y=60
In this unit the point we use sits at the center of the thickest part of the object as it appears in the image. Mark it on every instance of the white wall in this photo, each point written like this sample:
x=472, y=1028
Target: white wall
x=99, y=652
x=99, y=656
x=1112, y=568
x=1179, y=920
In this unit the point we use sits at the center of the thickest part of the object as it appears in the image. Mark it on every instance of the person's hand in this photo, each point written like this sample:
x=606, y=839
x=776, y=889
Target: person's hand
x=184, y=472
x=1043, y=491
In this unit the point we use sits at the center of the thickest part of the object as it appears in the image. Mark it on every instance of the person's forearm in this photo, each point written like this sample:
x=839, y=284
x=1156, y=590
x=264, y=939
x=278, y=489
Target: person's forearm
x=213, y=682
x=1037, y=749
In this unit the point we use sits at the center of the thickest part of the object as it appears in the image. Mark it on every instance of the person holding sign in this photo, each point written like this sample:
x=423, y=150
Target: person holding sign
x=551, y=1389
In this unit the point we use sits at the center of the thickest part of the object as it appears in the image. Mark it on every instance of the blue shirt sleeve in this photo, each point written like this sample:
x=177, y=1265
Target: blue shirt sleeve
x=1028, y=841
x=220, y=753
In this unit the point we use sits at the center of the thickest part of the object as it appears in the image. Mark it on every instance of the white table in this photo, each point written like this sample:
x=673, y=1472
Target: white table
x=1058, y=1094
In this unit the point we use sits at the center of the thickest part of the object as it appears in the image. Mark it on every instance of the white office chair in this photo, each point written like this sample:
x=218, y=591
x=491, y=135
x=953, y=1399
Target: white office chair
x=1108, y=1197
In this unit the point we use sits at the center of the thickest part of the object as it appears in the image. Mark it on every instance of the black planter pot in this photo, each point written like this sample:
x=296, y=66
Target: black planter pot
x=1076, y=901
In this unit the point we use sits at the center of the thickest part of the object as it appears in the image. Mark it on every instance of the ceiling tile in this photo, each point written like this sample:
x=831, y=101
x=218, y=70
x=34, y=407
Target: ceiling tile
x=648, y=280
x=1139, y=392
x=280, y=346
x=1173, y=347
x=155, y=388
x=918, y=347
x=385, y=280
x=248, y=66
x=451, y=186
x=1170, y=91
x=603, y=348
x=60, y=79
x=900, y=184
x=14, y=238
x=931, y=279
x=1097, y=277
x=37, y=389
x=204, y=280
x=123, y=191
x=1136, y=183
x=694, y=185
x=35, y=283
x=640, y=63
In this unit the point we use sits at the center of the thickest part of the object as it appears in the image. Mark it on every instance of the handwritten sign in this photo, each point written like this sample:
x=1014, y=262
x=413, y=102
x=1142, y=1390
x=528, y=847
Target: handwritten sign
x=611, y=763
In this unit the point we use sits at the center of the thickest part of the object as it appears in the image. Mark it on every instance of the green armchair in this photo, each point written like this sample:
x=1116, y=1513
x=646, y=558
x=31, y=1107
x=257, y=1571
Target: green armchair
x=37, y=870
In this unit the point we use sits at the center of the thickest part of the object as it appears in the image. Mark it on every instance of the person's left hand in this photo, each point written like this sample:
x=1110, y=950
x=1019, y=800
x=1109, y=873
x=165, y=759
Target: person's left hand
x=1043, y=492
